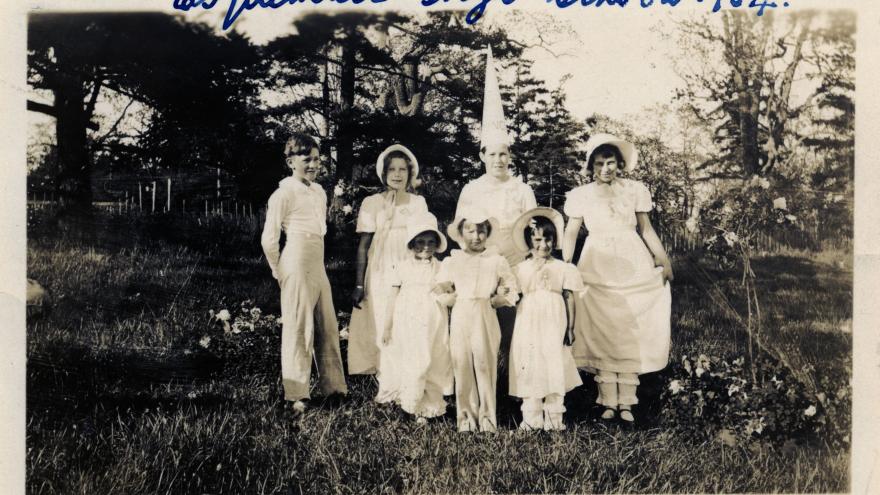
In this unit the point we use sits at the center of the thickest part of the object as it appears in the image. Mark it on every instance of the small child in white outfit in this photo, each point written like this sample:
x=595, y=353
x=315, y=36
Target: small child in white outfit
x=482, y=281
x=416, y=333
x=542, y=368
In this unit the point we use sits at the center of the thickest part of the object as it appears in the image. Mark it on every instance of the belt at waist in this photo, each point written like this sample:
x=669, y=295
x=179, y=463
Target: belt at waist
x=611, y=232
x=306, y=235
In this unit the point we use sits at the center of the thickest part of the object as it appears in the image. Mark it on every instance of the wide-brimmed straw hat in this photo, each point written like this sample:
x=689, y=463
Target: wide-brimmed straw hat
x=380, y=162
x=627, y=150
x=424, y=222
x=525, y=221
x=473, y=215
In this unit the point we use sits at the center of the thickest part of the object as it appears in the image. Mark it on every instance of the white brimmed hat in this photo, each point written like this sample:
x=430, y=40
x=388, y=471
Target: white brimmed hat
x=380, y=162
x=424, y=222
x=494, y=127
x=525, y=221
x=473, y=215
x=627, y=149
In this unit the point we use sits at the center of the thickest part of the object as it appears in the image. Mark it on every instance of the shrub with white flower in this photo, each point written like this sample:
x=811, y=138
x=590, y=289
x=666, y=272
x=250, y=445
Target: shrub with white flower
x=724, y=402
x=245, y=338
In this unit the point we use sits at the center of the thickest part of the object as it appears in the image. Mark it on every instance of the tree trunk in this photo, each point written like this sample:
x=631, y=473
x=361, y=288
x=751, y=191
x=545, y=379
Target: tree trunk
x=74, y=163
x=344, y=134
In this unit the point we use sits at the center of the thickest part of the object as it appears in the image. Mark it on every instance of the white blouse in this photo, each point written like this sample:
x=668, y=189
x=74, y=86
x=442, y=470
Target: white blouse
x=477, y=276
x=294, y=208
x=505, y=201
x=607, y=208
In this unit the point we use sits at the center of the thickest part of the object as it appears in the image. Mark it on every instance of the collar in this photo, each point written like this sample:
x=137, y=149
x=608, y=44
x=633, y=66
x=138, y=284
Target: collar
x=488, y=181
x=295, y=184
x=461, y=253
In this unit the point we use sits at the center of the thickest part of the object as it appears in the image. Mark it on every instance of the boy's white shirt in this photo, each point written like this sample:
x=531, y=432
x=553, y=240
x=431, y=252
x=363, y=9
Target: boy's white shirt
x=294, y=208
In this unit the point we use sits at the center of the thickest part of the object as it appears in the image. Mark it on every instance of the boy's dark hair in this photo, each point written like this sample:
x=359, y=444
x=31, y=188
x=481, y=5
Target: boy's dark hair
x=409, y=245
x=545, y=225
x=299, y=143
x=605, y=150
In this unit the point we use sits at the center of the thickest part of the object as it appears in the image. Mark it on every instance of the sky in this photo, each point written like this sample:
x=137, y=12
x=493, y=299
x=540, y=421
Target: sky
x=614, y=71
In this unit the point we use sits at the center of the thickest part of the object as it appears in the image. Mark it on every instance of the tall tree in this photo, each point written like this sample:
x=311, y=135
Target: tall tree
x=742, y=80
x=195, y=81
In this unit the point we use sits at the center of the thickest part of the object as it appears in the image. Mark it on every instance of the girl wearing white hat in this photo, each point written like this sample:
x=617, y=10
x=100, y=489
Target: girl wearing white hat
x=381, y=223
x=483, y=281
x=416, y=333
x=542, y=368
x=623, y=316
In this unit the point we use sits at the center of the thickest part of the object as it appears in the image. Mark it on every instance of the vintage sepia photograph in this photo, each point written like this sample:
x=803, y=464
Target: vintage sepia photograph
x=391, y=251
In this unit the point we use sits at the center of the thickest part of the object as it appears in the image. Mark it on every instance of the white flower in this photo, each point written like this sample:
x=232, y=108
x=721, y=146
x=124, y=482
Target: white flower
x=780, y=204
x=810, y=411
x=210, y=313
x=255, y=313
x=838, y=198
x=205, y=341
x=675, y=387
x=223, y=315
x=699, y=371
x=691, y=224
x=338, y=190
x=765, y=184
x=347, y=209
x=191, y=395
x=343, y=334
x=704, y=361
x=755, y=426
x=732, y=389
x=236, y=327
x=791, y=218
x=731, y=238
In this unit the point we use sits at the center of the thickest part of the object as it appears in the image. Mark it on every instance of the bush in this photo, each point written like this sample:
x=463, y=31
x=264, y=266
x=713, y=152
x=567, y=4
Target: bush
x=710, y=397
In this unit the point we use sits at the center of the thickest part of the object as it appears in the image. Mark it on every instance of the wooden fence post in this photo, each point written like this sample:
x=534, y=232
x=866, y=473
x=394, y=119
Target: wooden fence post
x=153, y=190
x=168, y=198
x=140, y=197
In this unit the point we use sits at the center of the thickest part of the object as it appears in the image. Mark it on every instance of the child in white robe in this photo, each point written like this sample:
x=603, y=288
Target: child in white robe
x=416, y=333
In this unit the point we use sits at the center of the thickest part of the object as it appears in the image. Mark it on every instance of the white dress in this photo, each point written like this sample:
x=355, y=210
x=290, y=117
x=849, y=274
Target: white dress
x=387, y=223
x=623, y=316
x=540, y=364
x=420, y=366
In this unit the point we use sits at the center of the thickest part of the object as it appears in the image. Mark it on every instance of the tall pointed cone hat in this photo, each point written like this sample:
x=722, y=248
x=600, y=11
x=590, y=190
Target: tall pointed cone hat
x=494, y=130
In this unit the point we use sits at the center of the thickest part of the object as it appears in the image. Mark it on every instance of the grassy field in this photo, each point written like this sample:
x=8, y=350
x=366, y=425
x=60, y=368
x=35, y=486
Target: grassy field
x=120, y=400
